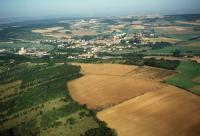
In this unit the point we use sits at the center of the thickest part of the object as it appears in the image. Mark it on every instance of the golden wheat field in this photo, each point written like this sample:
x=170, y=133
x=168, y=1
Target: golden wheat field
x=134, y=102
x=104, y=85
x=102, y=91
x=166, y=112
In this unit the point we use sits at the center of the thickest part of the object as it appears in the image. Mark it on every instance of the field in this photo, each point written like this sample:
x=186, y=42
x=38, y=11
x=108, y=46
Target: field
x=142, y=77
x=19, y=45
x=187, y=77
x=161, y=39
x=197, y=22
x=156, y=114
x=83, y=32
x=47, y=30
x=177, y=30
x=104, y=85
x=190, y=47
x=103, y=90
x=133, y=98
x=105, y=69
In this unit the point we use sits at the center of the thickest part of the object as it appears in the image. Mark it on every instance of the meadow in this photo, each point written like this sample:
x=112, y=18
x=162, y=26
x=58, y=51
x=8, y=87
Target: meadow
x=187, y=73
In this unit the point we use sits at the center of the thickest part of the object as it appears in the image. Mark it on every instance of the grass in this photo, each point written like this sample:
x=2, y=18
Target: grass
x=188, y=71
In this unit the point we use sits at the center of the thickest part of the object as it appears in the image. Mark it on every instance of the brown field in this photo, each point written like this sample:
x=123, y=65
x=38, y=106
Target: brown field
x=197, y=59
x=189, y=22
x=137, y=103
x=136, y=26
x=161, y=39
x=105, y=69
x=102, y=91
x=105, y=85
x=57, y=32
x=84, y=32
x=177, y=30
x=151, y=73
x=168, y=112
x=47, y=30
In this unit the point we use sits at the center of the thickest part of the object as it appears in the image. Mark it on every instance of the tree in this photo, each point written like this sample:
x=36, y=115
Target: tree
x=177, y=53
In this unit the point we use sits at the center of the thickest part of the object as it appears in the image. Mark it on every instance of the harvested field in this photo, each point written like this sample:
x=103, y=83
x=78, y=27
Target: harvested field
x=177, y=30
x=47, y=30
x=105, y=85
x=137, y=104
x=57, y=32
x=161, y=39
x=102, y=91
x=135, y=26
x=84, y=32
x=156, y=113
x=151, y=73
x=189, y=22
x=105, y=69
x=197, y=59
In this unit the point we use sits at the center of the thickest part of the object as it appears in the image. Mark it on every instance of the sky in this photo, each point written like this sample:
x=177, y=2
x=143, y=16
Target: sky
x=88, y=8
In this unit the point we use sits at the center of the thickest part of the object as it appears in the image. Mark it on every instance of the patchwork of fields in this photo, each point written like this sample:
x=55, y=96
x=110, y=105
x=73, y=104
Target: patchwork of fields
x=135, y=99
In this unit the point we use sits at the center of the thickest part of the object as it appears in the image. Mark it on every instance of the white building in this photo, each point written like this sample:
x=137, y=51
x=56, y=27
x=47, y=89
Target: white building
x=22, y=51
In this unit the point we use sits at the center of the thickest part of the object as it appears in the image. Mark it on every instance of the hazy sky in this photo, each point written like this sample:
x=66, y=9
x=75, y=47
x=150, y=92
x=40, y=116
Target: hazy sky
x=29, y=8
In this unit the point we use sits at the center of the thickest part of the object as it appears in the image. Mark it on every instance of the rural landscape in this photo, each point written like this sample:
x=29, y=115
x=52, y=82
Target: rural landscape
x=136, y=75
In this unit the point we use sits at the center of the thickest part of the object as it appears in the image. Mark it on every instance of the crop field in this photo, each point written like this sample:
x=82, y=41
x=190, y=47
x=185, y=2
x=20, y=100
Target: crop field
x=197, y=22
x=47, y=30
x=104, y=85
x=34, y=100
x=105, y=69
x=156, y=114
x=18, y=45
x=188, y=77
x=177, y=30
x=56, y=32
x=103, y=91
x=162, y=39
x=84, y=32
x=136, y=100
x=185, y=50
x=151, y=73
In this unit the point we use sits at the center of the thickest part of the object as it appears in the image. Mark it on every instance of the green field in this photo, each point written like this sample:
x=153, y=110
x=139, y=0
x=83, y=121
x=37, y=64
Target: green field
x=188, y=71
x=19, y=45
x=34, y=100
x=170, y=50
